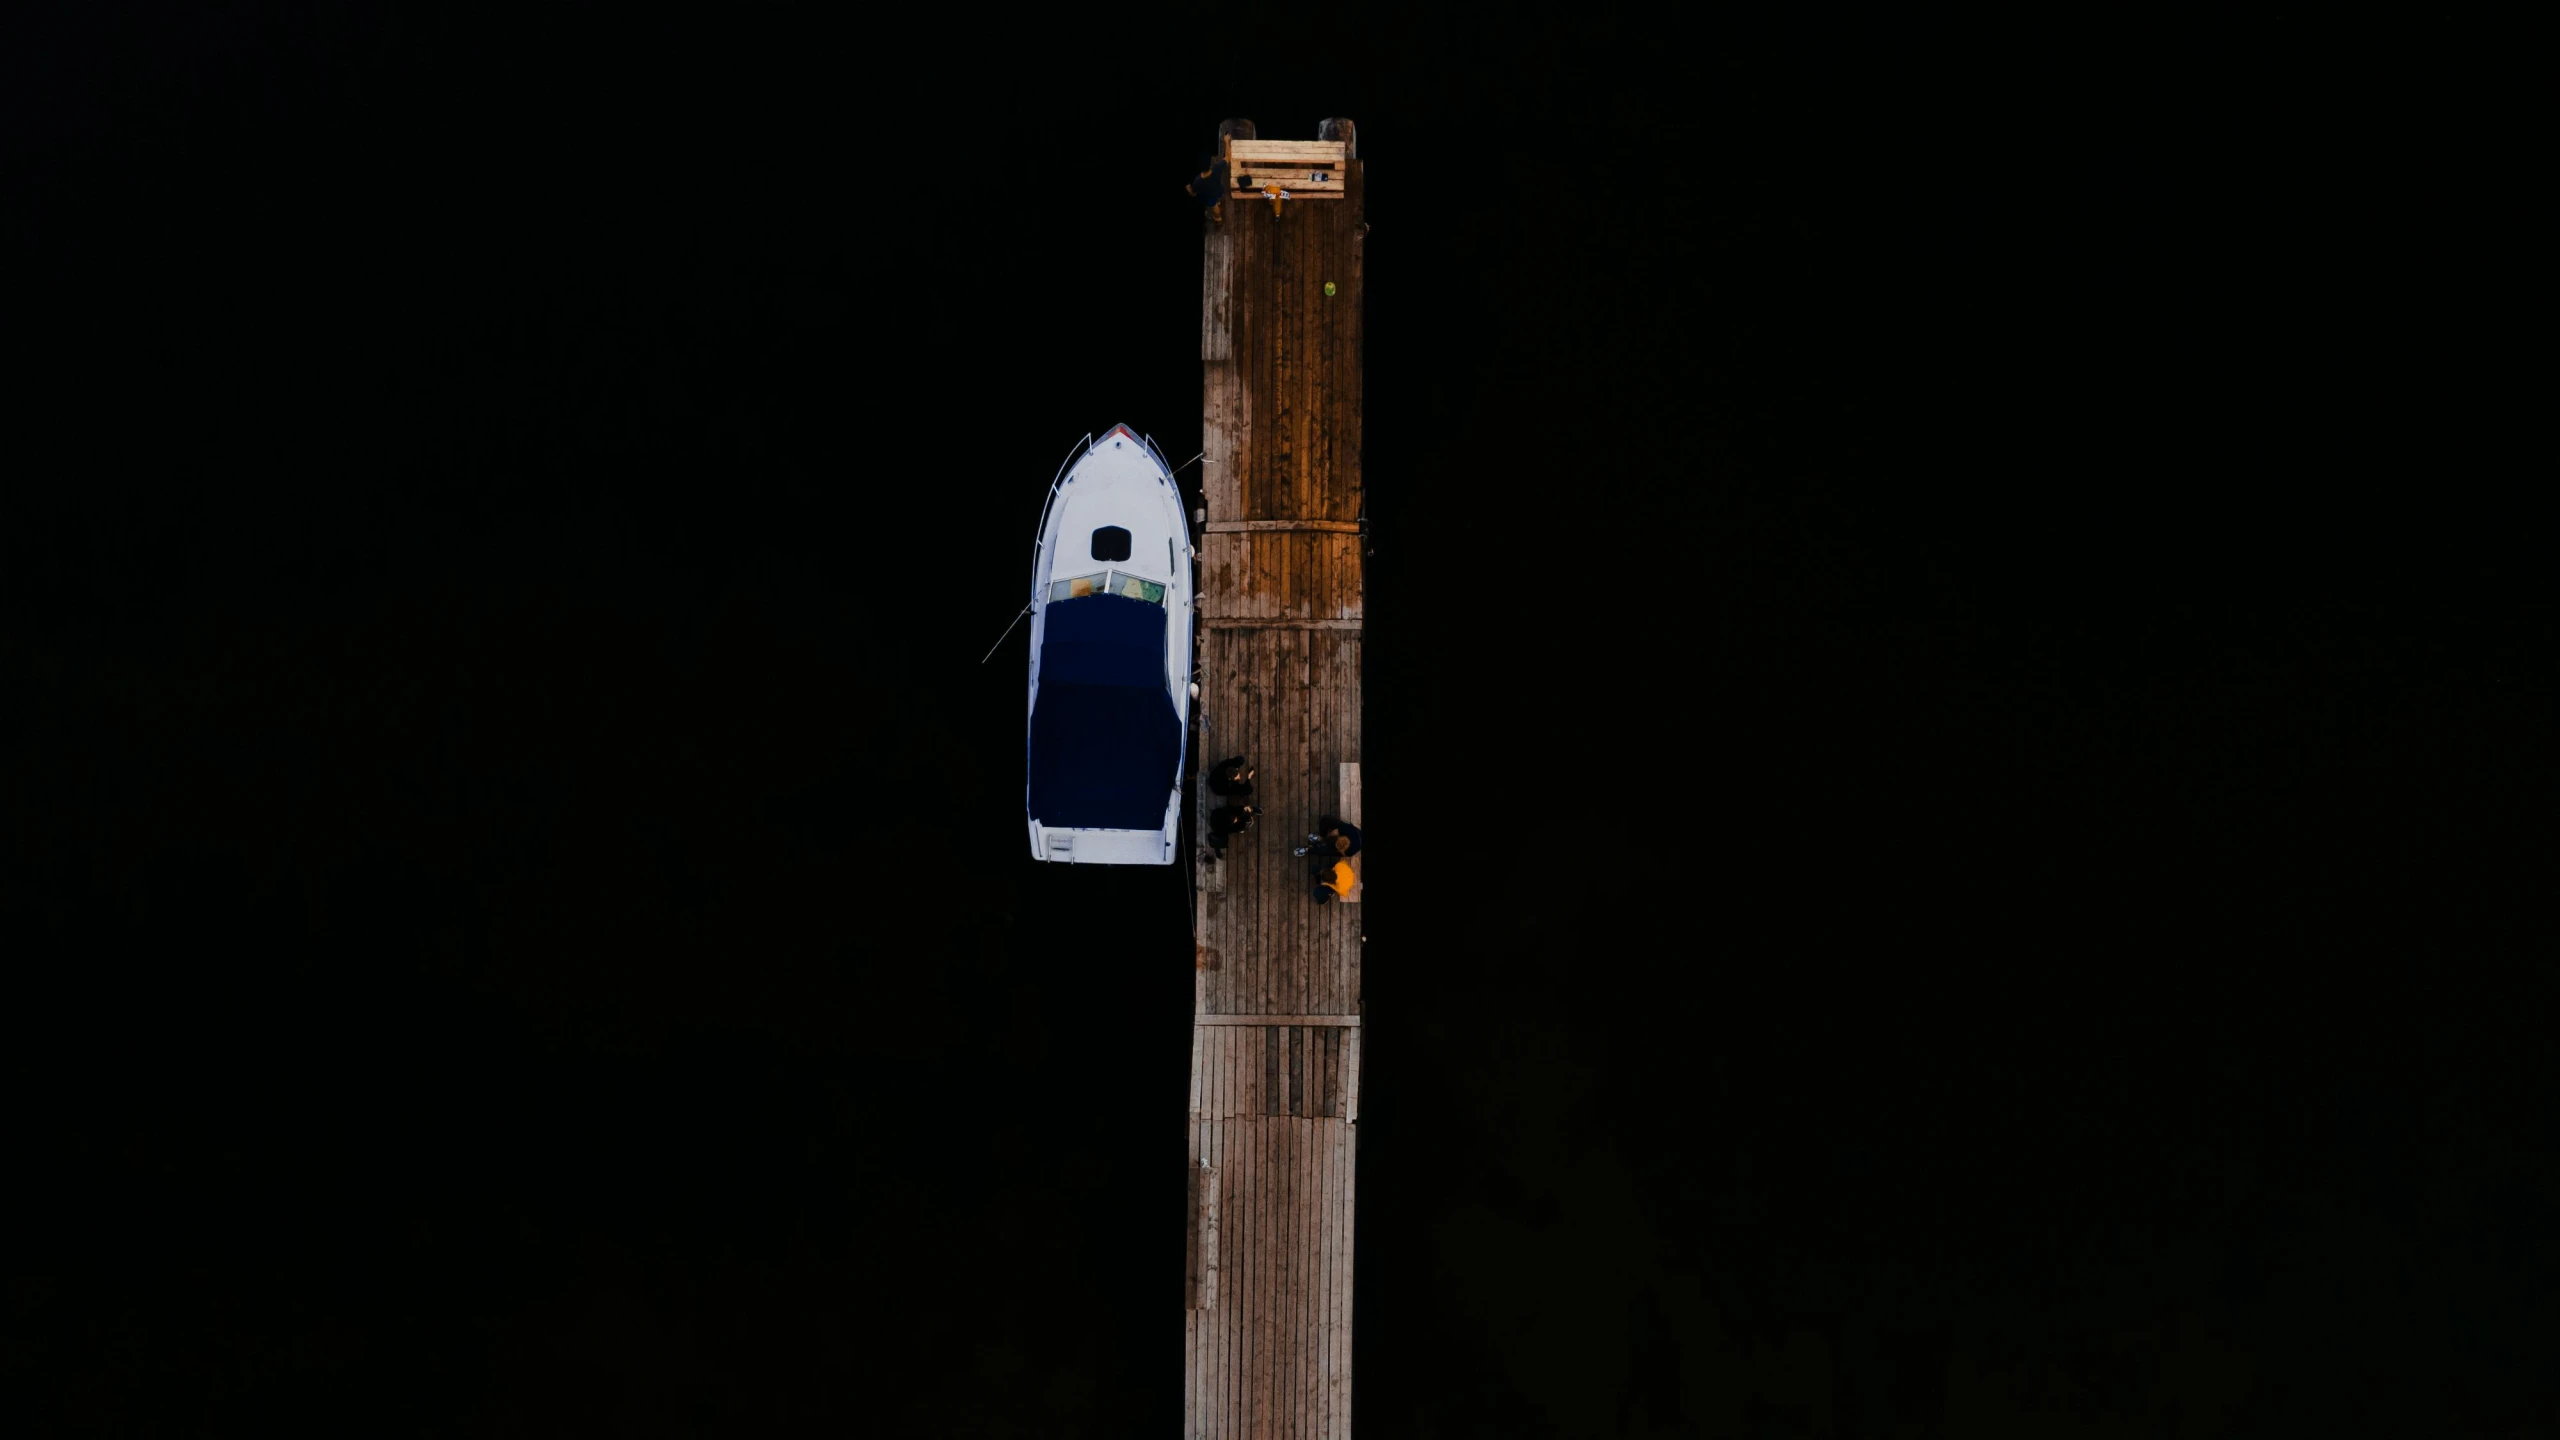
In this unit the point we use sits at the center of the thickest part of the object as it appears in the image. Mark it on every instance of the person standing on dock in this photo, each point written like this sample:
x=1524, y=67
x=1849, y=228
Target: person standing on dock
x=1231, y=777
x=1334, y=879
x=1209, y=189
x=1228, y=821
x=1340, y=838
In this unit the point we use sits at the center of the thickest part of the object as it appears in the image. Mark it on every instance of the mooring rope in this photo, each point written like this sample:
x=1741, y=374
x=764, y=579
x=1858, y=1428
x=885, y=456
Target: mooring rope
x=1008, y=633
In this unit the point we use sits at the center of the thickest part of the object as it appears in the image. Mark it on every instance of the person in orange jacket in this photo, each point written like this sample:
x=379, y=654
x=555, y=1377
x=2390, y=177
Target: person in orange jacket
x=1334, y=879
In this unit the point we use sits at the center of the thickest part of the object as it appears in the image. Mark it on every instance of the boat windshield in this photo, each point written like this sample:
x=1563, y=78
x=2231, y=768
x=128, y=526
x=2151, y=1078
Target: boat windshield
x=1116, y=582
x=1137, y=587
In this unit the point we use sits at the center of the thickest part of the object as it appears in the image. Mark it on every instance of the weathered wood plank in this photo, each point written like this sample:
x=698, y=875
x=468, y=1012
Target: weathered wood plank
x=1323, y=701
x=1258, y=998
x=1240, y=527
x=1353, y=322
x=1294, y=1287
x=1191, y=1238
x=1301, y=1198
x=1247, y=1267
x=1238, y=1021
x=1201, y=1039
x=1306, y=176
x=1319, y=752
x=1195, y=1390
x=1348, y=788
x=1341, y=1302
x=1311, y=920
x=1281, y=352
x=1319, y=1043
x=1266, y=1239
x=1324, y=598
x=1265, y=598
x=1208, y=1242
x=1351, y=1078
x=1290, y=157
x=1236, y=1251
x=1212, y=1305
x=1284, y=910
x=1215, y=340
x=1248, y=339
x=1240, y=1236
x=1301, y=180
x=1333, y=1366
x=1275, y=1310
x=1329, y=150
x=1199, y=1353
x=1279, y=956
x=1348, y=1243
x=1320, y=1301
x=1311, y=1289
x=1234, y=1160
x=1313, y=1223
x=1223, y=405
x=1297, y=183
x=1297, y=1066
x=1333, y=1074
x=1292, y=1264
x=1319, y=1244
x=1322, y=368
x=1296, y=160
x=1275, y=1043
x=1269, y=1372
x=1309, y=357
x=1329, y=1256
x=1285, y=1313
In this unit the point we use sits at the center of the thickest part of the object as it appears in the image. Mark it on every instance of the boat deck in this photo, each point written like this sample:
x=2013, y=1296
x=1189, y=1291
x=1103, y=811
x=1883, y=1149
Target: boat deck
x=1275, y=1076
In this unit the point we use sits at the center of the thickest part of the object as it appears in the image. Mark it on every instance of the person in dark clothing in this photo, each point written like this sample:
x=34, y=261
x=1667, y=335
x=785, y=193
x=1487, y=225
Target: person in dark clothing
x=1339, y=839
x=1231, y=777
x=1209, y=188
x=1228, y=821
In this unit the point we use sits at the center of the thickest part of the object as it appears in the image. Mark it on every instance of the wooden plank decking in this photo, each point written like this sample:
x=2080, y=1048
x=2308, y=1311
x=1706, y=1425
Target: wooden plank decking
x=1275, y=1075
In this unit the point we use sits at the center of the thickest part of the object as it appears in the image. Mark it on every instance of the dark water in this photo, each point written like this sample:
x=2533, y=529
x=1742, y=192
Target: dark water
x=1953, y=699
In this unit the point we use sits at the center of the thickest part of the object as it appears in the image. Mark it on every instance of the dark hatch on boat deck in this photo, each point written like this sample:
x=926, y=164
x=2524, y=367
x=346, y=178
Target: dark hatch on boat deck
x=1105, y=743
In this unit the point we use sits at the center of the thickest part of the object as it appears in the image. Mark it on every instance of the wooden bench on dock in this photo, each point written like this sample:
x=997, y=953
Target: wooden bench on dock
x=1307, y=169
x=1346, y=807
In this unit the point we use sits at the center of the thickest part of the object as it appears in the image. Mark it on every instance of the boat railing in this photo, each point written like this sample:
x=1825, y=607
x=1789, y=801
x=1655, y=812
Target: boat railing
x=1040, y=536
x=1171, y=479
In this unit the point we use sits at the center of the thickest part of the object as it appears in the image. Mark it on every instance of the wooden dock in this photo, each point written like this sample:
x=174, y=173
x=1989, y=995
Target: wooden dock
x=1275, y=1042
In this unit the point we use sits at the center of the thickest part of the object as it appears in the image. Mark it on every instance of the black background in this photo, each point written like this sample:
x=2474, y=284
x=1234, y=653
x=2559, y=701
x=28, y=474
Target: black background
x=1957, y=727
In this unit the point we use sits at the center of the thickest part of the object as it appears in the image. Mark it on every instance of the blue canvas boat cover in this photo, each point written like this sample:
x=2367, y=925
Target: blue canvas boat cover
x=1106, y=747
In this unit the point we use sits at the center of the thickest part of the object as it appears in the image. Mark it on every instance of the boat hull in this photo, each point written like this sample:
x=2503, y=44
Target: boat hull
x=1107, y=718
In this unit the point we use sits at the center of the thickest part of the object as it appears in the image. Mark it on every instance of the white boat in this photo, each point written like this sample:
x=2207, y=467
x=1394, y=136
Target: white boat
x=1110, y=702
